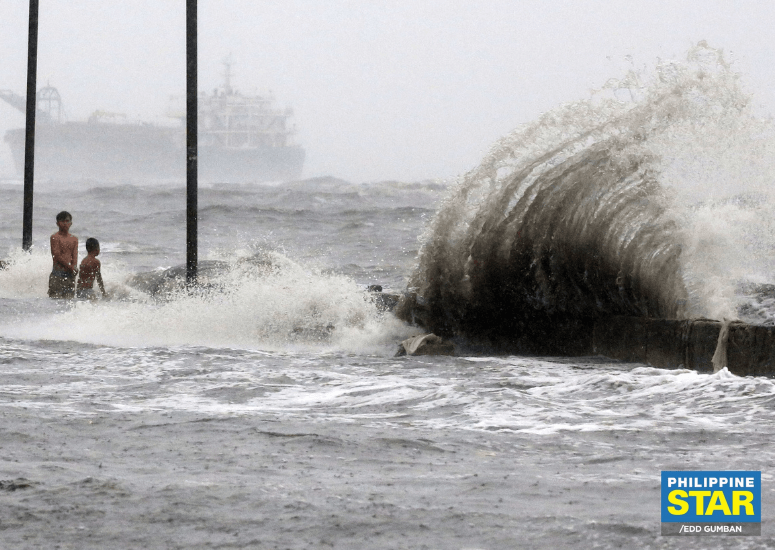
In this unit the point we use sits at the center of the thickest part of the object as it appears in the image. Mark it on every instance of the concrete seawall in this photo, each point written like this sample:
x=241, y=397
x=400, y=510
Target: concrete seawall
x=689, y=344
x=663, y=343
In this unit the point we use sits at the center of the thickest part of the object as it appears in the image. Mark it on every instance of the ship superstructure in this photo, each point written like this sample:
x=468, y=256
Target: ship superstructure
x=231, y=124
x=242, y=138
x=230, y=119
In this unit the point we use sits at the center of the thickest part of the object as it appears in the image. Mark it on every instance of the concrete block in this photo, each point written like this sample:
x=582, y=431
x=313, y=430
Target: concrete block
x=751, y=350
x=663, y=343
x=666, y=341
x=701, y=344
x=622, y=338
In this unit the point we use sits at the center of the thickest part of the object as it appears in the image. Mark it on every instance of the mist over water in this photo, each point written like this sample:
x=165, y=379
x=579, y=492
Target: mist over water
x=649, y=199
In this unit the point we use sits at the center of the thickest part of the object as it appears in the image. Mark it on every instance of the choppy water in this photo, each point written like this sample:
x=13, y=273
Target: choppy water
x=537, y=396
x=602, y=207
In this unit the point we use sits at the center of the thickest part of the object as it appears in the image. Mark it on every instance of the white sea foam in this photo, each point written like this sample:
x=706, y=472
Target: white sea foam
x=288, y=307
x=523, y=395
x=26, y=274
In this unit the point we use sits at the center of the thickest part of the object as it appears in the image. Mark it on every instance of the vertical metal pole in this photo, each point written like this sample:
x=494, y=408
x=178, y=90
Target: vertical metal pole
x=191, y=142
x=29, y=136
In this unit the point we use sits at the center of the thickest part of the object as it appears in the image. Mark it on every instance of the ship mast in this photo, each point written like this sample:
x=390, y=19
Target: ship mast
x=227, y=63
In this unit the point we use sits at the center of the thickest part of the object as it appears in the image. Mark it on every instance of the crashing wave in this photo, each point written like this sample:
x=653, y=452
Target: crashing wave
x=583, y=215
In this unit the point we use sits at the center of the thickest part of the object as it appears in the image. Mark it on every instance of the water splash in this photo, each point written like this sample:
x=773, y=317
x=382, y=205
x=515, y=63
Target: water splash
x=21, y=277
x=277, y=306
x=596, y=209
x=26, y=275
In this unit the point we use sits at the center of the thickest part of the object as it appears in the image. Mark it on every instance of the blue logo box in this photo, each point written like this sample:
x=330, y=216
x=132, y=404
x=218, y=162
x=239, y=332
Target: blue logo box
x=702, y=496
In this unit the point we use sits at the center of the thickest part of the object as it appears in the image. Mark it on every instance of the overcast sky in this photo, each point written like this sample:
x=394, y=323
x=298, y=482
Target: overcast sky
x=389, y=89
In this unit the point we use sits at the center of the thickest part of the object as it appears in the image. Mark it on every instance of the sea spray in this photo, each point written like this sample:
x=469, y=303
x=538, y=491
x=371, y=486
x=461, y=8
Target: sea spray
x=590, y=212
x=275, y=304
x=719, y=359
x=26, y=275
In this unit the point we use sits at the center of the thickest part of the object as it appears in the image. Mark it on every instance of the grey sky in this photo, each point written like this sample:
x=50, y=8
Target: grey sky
x=398, y=89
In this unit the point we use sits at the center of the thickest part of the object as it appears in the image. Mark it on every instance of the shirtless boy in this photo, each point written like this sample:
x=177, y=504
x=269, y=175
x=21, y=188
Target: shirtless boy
x=89, y=271
x=64, y=251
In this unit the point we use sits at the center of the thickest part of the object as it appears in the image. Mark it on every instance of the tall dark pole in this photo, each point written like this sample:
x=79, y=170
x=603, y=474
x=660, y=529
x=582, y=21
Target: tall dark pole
x=29, y=137
x=191, y=142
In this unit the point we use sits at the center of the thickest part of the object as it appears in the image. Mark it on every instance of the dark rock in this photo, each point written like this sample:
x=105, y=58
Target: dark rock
x=163, y=283
x=386, y=302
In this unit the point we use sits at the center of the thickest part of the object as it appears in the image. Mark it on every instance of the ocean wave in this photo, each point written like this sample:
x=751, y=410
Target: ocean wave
x=591, y=212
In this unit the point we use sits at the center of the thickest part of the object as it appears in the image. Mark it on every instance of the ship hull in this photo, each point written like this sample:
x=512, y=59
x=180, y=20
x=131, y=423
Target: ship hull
x=136, y=153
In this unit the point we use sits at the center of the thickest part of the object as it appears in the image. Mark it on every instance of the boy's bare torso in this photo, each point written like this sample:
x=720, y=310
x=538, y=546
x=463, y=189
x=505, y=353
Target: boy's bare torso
x=64, y=252
x=90, y=269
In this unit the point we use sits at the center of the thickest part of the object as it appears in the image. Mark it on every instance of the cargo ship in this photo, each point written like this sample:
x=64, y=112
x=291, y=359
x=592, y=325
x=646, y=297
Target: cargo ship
x=242, y=138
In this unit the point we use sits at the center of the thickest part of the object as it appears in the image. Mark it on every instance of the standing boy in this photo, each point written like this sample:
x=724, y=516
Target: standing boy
x=64, y=251
x=90, y=270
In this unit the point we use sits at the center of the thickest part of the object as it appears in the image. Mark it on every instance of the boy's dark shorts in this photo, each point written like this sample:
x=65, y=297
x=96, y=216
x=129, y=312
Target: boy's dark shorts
x=61, y=284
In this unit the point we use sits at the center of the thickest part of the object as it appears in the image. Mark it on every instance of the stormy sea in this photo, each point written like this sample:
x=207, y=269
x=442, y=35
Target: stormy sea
x=267, y=408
